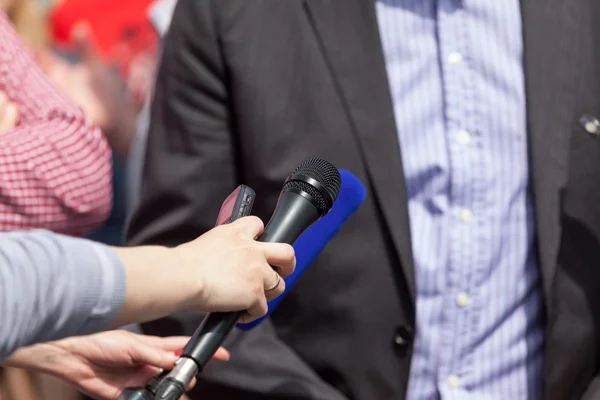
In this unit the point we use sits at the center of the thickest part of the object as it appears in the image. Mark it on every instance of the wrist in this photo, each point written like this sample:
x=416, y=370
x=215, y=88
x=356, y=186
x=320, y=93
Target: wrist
x=193, y=288
x=46, y=358
x=156, y=286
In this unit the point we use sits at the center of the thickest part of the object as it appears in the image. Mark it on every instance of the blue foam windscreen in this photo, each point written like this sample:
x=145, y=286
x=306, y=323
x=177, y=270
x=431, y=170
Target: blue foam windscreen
x=312, y=242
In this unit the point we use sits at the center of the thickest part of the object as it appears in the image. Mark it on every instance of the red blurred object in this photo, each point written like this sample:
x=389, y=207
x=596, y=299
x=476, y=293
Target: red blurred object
x=121, y=28
x=179, y=352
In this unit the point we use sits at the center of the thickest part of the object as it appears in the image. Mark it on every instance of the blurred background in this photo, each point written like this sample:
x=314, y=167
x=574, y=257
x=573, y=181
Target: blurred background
x=102, y=54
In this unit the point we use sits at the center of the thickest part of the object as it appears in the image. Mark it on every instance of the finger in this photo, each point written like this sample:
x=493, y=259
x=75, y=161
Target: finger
x=250, y=227
x=3, y=103
x=172, y=343
x=221, y=354
x=8, y=113
x=189, y=387
x=11, y=116
x=275, y=291
x=281, y=256
x=176, y=345
x=143, y=354
x=3, y=99
x=246, y=318
x=257, y=310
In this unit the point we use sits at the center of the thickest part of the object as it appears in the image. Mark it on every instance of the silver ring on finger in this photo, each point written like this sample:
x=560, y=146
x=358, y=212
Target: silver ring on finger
x=276, y=285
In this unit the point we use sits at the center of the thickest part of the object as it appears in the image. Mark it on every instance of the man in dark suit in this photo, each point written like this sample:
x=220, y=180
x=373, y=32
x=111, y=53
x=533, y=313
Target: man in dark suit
x=473, y=269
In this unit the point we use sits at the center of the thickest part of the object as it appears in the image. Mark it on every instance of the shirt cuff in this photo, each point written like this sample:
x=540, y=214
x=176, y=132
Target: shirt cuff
x=103, y=294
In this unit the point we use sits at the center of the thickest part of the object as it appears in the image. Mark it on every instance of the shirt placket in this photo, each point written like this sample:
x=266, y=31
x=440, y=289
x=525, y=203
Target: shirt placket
x=463, y=142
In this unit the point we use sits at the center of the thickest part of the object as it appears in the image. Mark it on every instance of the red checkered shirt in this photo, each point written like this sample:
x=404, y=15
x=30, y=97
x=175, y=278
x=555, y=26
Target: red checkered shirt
x=55, y=166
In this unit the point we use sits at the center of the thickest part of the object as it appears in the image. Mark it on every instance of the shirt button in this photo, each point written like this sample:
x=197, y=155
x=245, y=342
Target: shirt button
x=403, y=336
x=402, y=341
x=462, y=299
x=590, y=124
x=453, y=381
x=463, y=137
x=466, y=216
x=455, y=57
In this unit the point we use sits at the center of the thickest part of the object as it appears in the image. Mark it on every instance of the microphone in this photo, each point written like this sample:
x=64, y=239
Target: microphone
x=312, y=242
x=308, y=194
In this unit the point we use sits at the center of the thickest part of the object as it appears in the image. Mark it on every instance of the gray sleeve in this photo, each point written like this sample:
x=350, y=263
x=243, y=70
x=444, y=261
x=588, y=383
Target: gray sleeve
x=53, y=286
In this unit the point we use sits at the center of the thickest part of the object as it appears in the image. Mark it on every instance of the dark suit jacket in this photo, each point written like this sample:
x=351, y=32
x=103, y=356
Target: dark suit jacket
x=248, y=89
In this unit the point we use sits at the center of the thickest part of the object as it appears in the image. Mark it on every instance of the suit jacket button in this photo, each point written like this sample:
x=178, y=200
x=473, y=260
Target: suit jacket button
x=403, y=337
x=590, y=124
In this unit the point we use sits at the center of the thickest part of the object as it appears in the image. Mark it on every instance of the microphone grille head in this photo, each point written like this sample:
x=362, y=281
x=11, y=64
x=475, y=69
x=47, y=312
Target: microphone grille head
x=328, y=182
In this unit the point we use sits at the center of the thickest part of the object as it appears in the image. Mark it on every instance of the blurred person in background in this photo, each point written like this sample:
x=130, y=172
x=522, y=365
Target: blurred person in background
x=54, y=153
x=80, y=70
x=55, y=163
x=95, y=43
x=114, y=46
x=124, y=37
x=102, y=55
x=159, y=13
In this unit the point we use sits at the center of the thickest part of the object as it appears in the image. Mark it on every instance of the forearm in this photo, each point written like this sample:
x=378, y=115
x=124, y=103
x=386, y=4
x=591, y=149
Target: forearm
x=154, y=289
x=55, y=286
x=62, y=171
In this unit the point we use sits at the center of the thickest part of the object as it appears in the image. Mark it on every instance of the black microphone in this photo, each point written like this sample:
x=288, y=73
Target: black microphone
x=307, y=195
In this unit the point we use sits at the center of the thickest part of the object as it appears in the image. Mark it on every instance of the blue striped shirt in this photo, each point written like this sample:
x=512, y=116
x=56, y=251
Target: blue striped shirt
x=457, y=82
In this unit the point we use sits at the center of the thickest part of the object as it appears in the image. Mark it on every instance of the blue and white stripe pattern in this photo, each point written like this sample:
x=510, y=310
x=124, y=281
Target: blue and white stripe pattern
x=457, y=82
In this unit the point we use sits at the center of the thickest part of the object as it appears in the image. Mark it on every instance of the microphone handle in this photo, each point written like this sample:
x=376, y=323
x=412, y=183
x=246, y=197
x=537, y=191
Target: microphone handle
x=209, y=336
x=294, y=213
x=136, y=394
x=146, y=393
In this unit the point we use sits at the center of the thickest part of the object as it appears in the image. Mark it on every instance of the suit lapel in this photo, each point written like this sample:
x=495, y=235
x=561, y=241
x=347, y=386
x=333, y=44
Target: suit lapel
x=348, y=33
x=549, y=31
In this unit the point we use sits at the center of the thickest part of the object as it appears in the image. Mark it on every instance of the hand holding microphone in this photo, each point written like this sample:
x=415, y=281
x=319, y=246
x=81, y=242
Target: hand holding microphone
x=312, y=242
x=223, y=270
x=236, y=269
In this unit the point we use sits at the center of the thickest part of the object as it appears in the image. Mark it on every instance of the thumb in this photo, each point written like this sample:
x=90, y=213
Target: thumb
x=84, y=42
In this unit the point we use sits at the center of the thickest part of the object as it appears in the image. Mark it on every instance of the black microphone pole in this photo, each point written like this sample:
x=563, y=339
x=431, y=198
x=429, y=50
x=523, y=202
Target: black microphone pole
x=293, y=215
